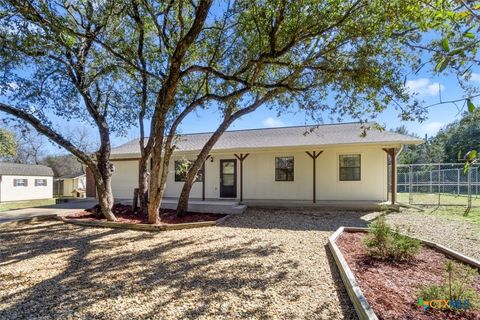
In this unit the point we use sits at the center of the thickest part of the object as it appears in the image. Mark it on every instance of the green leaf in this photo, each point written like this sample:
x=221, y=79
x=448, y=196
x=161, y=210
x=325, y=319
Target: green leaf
x=471, y=155
x=470, y=105
x=469, y=35
x=457, y=51
x=442, y=64
x=445, y=44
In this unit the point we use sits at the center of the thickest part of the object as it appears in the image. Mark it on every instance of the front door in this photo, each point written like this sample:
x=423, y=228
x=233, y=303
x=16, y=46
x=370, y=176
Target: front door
x=228, y=178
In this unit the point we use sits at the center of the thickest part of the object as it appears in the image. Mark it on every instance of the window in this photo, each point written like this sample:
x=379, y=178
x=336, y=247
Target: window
x=181, y=170
x=284, y=168
x=40, y=182
x=20, y=182
x=350, y=167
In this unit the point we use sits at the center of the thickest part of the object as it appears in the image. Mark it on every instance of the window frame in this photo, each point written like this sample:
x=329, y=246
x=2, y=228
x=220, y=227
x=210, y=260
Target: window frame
x=293, y=169
x=350, y=167
x=15, y=182
x=41, y=185
x=176, y=177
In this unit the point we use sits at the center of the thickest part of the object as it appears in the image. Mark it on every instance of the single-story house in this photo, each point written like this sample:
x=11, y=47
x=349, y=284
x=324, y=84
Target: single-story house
x=20, y=182
x=304, y=163
x=71, y=185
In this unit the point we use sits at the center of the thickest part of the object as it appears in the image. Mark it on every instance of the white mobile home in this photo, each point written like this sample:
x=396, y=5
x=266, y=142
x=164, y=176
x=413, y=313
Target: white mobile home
x=20, y=182
x=304, y=163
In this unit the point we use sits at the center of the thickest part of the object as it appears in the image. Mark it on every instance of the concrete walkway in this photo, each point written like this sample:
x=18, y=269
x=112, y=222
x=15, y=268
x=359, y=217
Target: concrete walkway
x=58, y=209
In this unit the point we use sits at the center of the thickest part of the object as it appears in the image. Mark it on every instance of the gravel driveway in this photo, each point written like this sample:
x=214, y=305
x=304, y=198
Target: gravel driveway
x=263, y=264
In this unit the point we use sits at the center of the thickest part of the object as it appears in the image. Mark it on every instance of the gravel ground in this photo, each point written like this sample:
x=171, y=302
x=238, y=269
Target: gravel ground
x=264, y=264
x=458, y=235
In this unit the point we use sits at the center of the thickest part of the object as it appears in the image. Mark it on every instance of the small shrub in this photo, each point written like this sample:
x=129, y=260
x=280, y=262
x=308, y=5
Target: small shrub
x=458, y=285
x=385, y=244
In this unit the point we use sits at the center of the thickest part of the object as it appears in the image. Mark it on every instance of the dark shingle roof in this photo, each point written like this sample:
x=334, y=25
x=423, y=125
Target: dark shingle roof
x=18, y=169
x=315, y=135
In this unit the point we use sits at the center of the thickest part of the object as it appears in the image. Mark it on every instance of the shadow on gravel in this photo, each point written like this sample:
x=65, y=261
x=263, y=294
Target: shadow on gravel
x=158, y=271
x=342, y=295
x=300, y=219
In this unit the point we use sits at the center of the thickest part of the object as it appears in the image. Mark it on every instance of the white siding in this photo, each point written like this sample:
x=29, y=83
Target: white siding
x=10, y=193
x=124, y=179
x=259, y=176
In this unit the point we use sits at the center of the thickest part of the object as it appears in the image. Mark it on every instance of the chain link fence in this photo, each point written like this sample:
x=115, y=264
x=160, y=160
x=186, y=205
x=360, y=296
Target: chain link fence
x=443, y=184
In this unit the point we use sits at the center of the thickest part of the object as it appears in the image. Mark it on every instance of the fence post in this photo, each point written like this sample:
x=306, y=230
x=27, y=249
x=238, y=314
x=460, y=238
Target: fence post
x=458, y=182
x=439, y=182
x=410, y=194
x=431, y=181
x=469, y=203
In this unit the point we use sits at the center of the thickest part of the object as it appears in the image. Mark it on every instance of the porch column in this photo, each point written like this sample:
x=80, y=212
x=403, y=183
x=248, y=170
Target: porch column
x=240, y=158
x=393, y=180
x=314, y=155
x=203, y=178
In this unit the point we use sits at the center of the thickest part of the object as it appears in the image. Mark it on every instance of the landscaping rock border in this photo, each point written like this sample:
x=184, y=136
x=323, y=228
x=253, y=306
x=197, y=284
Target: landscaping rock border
x=362, y=307
x=143, y=226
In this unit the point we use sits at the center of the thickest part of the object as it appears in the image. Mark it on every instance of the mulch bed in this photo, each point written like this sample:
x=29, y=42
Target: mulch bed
x=390, y=288
x=125, y=214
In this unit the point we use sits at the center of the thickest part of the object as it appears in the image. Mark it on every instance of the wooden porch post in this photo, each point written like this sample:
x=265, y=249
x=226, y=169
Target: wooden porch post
x=240, y=158
x=393, y=180
x=203, y=178
x=314, y=157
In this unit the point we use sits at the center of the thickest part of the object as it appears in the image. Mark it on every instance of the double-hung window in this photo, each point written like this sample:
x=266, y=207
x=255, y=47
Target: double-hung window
x=350, y=167
x=284, y=168
x=20, y=182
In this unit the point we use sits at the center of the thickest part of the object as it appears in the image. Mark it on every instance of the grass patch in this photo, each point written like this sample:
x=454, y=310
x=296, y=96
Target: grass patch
x=458, y=213
x=432, y=199
x=5, y=206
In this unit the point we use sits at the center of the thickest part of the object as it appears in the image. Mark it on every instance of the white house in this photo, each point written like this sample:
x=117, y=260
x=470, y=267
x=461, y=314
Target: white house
x=303, y=163
x=25, y=182
x=72, y=185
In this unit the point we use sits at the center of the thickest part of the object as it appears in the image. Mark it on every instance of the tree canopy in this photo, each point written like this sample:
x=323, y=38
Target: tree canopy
x=8, y=146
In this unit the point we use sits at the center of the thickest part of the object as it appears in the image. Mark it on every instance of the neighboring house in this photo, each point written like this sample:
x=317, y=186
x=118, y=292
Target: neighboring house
x=72, y=185
x=278, y=164
x=25, y=182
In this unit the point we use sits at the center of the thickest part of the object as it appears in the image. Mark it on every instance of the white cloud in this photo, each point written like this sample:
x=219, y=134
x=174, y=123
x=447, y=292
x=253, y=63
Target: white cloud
x=432, y=128
x=423, y=87
x=273, y=122
x=475, y=77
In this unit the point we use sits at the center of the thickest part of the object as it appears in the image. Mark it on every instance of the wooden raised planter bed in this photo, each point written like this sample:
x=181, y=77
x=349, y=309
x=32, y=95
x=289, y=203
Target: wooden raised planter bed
x=363, y=308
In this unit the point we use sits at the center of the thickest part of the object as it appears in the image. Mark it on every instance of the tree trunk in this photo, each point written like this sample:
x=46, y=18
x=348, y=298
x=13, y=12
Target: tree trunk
x=143, y=184
x=105, y=199
x=182, y=206
x=103, y=175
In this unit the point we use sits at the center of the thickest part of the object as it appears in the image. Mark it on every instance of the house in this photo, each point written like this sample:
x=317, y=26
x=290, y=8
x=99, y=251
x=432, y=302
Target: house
x=332, y=162
x=71, y=185
x=20, y=182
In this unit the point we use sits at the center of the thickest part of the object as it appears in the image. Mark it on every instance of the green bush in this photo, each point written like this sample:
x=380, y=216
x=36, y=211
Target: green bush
x=385, y=244
x=458, y=284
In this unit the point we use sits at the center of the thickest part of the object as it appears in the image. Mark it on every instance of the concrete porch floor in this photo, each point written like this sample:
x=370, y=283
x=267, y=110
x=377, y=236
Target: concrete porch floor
x=320, y=204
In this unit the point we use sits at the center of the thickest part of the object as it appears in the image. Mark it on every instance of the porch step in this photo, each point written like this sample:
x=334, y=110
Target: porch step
x=211, y=206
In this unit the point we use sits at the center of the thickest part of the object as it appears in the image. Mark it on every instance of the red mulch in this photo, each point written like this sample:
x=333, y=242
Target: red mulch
x=390, y=288
x=125, y=214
